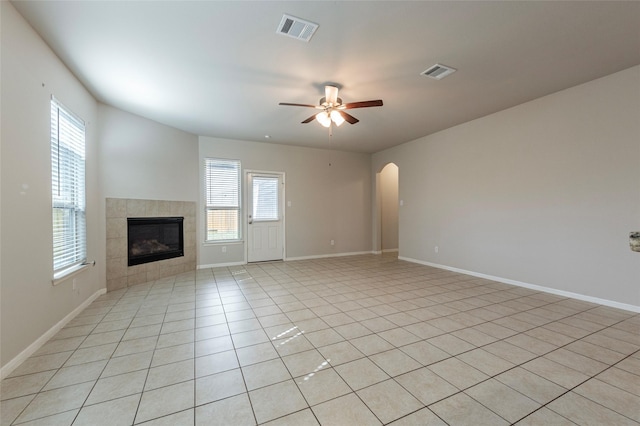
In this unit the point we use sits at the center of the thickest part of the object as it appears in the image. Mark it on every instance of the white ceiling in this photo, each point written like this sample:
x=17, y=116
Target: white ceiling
x=218, y=68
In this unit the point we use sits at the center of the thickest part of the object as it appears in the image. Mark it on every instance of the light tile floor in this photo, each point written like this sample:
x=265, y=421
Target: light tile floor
x=360, y=340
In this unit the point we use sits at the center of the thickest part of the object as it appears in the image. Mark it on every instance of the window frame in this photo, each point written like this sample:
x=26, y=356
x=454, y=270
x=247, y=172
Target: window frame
x=68, y=190
x=214, y=207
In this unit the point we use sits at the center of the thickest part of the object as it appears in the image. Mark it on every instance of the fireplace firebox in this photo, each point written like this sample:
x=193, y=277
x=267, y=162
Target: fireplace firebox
x=154, y=238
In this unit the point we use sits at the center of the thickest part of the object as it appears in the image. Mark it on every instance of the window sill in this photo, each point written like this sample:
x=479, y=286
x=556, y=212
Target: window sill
x=65, y=274
x=223, y=243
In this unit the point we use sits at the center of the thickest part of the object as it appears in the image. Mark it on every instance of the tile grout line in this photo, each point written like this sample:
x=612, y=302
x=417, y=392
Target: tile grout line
x=580, y=384
x=324, y=298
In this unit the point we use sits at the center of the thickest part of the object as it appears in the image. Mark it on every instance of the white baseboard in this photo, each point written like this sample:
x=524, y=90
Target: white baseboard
x=323, y=256
x=557, y=292
x=221, y=265
x=286, y=259
x=32, y=348
x=395, y=250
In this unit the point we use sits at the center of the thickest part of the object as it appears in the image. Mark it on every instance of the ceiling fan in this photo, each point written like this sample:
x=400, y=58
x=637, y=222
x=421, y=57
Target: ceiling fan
x=333, y=110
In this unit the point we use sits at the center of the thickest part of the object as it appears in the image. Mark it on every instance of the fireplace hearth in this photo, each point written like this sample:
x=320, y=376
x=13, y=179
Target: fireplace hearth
x=150, y=239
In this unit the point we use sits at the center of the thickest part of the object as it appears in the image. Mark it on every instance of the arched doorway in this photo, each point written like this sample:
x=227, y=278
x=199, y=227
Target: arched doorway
x=388, y=216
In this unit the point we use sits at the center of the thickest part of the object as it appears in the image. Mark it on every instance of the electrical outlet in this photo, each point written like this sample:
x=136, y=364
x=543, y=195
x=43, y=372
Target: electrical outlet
x=436, y=249
x=333, y=243
x=224, y=249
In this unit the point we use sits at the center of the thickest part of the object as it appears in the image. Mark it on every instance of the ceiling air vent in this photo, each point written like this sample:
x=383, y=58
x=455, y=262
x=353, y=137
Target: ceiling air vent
x=296, y=28
x=438, y=71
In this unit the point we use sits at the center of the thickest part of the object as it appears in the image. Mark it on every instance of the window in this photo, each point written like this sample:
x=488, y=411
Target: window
x=67, y=189
x=265, y=198
x=222, y=182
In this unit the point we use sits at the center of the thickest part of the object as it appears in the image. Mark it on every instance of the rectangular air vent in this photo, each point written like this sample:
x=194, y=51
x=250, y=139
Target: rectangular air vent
x=438, y=71
x=296, y=28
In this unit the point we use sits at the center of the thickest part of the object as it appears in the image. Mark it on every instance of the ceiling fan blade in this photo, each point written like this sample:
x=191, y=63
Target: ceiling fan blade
x=363, y=104
x=302, y=105
x=348, y=117
x=310, y=119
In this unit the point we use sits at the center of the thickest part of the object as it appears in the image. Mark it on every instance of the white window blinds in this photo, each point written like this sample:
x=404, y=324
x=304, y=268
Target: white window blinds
x=265, y=198
x=222, y=186
x=67, y=188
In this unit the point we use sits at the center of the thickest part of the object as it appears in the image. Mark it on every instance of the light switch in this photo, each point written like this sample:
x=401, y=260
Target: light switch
x=288, y=203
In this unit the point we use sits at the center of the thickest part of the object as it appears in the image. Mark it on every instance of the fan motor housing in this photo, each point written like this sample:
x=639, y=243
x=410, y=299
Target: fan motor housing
x=323, y=101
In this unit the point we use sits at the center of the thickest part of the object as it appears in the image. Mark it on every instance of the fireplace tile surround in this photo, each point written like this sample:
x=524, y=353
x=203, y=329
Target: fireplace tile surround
x=119, y=275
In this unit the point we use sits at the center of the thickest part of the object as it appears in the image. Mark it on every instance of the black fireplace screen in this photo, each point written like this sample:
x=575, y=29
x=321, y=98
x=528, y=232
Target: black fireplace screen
x=154, y=238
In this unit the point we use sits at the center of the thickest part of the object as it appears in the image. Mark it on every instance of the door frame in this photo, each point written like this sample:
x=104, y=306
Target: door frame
x=248, y=193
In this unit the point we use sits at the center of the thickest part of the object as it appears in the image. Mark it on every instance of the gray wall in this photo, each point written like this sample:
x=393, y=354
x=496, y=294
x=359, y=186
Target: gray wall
x=327, y=201
x=544, y=193
x=147, y=160
x=31, y=73
x=143, y=159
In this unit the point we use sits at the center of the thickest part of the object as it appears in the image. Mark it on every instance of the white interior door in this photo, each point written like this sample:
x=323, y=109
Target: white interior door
x=265, y=224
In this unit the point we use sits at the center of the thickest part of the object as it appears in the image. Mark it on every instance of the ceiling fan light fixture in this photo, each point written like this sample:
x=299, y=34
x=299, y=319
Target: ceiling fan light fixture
x=336, y=117
x=323, y=118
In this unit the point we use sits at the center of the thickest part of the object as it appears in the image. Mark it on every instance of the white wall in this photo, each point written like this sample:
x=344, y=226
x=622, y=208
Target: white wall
x=143, y=159
x=327, y=201
x=544, y=193
x=30, y=74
